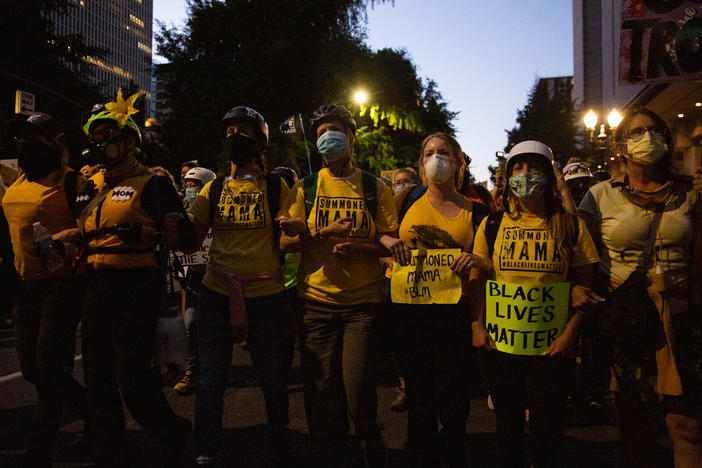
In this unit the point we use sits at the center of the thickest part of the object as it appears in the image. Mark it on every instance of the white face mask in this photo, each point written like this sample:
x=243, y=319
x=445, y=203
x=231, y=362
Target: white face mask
x=438, y=168
x=648, y=150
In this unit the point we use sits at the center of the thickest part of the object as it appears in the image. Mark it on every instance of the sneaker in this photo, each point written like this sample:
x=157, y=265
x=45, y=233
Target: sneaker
x=375, y=454
x=400, y=403
x=187, y=384
x=204, y=460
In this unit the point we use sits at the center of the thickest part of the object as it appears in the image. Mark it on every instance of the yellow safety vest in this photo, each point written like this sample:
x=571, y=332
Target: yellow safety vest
x=105, y=248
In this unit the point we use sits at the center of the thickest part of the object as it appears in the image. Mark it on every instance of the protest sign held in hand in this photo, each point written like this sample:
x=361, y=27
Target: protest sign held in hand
x=200, y=256
x=427, y=279
x=525, y=318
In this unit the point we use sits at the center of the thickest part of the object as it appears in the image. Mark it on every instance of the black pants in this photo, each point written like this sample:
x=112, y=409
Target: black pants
x=119, y=321
x=537, y=383
x=45, y=325
x=435, y=348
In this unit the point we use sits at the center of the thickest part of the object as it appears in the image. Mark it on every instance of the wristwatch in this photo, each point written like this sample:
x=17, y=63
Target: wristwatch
x=318, y=235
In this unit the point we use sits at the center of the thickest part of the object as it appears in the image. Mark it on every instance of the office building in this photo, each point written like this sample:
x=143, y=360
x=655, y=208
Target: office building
x=123, y=29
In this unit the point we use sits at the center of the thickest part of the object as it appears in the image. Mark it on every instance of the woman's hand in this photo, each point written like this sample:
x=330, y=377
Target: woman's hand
x=69, y=236
x=583, y=296
x=399, y=250
x=463, y=263
x=72, y=240
x=339, y=228
x=291, y=227
x=342, y=249
x=564, y=346
x=481, y=338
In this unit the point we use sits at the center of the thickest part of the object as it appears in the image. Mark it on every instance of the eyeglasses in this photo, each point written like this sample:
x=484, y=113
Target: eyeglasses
x=637, y=133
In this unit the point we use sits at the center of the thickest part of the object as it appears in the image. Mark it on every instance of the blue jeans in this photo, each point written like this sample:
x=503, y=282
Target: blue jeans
x=270, y=342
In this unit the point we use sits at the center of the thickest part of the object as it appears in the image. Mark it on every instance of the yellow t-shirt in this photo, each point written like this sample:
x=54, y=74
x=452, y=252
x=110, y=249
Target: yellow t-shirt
x=526, y=251
x=322, y=276
x=424, y=227
x=242, y=235
x=42, y=200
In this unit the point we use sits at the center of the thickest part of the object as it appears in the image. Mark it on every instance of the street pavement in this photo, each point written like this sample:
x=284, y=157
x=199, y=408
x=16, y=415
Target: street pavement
x=586, y=445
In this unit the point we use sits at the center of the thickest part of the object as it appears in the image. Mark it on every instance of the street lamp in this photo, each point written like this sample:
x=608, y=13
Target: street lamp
x=590, y=120
x=614, y=119
x=606, y=131
x=360, y=97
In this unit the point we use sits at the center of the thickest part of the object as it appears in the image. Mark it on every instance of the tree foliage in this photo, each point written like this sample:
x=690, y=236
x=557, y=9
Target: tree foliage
x=286, y=58
x=549, y=117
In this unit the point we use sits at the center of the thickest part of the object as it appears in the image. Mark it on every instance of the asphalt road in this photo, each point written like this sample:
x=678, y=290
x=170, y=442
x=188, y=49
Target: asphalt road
x=587, y=444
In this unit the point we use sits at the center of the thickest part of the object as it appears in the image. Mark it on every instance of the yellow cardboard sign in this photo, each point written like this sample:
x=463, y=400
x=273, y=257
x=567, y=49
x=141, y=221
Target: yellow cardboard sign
x=427, y=279
x=525, y=318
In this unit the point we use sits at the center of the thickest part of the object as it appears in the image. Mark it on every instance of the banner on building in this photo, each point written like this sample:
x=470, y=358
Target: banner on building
x=660, y=41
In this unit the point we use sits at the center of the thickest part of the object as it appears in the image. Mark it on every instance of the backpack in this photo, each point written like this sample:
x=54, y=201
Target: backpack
x=480, y=210
x=368, y=183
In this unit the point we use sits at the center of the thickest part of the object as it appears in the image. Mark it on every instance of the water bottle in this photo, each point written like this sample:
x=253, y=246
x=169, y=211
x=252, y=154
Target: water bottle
x=48, y=250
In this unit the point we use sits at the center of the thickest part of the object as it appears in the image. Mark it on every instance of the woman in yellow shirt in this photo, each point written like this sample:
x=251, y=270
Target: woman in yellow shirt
x=434, y=339
x=528, y=358
x=242, y=291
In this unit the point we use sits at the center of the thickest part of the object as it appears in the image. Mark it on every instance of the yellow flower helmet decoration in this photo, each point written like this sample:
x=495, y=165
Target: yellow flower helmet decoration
x=120, y=112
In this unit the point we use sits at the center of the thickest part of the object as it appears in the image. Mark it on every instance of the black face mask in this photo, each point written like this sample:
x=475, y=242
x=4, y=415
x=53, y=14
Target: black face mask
x=37, y=159
x=240, y=149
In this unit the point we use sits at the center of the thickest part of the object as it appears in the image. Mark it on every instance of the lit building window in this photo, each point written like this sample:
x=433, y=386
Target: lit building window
x=114, y=69
x=136, y=20
x=144, y=47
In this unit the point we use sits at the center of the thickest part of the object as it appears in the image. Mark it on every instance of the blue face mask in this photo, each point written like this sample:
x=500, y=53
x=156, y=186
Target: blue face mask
x=332, y=146
x=191, y=194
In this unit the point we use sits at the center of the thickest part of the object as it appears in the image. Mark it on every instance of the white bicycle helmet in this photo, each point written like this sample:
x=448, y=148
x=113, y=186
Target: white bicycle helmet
x=200, y=174
x=576, y=170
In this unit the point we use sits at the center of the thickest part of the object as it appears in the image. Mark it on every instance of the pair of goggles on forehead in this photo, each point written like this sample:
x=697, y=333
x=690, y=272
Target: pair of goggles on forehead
x=637, y=133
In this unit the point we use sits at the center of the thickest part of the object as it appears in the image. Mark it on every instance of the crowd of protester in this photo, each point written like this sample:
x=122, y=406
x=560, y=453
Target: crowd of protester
x=313, y=260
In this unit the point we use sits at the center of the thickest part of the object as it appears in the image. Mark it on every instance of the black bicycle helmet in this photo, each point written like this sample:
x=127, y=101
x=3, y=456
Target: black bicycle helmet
x=249, y=114
x=287, y=174
x=45, y=123
x=329, y=112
